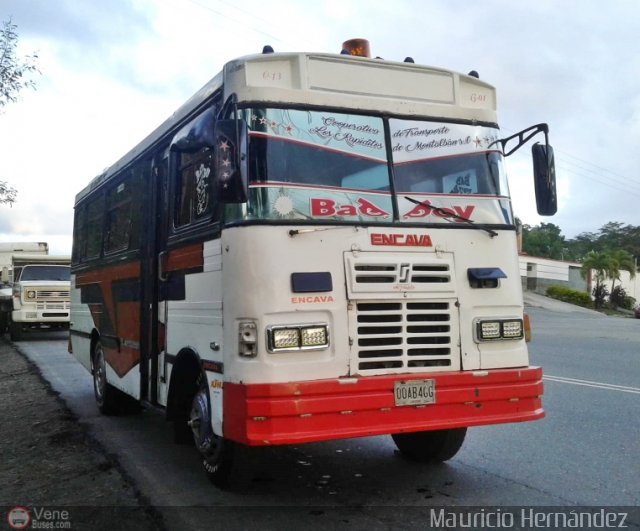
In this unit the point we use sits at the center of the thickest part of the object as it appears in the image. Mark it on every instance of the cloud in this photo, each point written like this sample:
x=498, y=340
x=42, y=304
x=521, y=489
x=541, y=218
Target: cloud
x=90, y=26
x=113, y=71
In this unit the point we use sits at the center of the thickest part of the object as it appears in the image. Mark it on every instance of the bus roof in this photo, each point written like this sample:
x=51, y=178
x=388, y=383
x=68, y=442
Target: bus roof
x=344, y=82
x=360, y=84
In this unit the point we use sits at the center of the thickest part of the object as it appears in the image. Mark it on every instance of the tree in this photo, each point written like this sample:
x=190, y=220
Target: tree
x=607, y=265
x=14, y=74
x=7, y=194
x=611, y=237
x=544, y=240
x=600, y=263
x=581, y=245
x=620, y=260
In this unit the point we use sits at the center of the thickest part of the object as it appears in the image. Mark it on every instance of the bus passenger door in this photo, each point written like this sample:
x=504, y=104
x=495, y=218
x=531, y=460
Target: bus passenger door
x=153, y=311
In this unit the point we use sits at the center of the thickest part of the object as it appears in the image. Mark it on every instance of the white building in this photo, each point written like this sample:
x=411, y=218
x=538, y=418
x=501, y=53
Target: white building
x=537, y=274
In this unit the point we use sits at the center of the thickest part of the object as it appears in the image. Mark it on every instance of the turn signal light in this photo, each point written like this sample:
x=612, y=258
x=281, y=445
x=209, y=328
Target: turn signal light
x=527, y=328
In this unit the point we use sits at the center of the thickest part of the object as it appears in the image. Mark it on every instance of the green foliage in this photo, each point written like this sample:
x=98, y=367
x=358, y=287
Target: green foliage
x=613, y=236
x=620, y=299
x=608, y=265
x=601, y=264
x=579, y=298
x=14, y=76
x=544, y=240
x=14, y=72
x=620, y=260
x=598, y=262
x=600, y=294
x=7, y=193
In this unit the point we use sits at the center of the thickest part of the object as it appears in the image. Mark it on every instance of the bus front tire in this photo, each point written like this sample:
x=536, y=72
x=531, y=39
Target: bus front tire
x=216, y=452
x=430, y=446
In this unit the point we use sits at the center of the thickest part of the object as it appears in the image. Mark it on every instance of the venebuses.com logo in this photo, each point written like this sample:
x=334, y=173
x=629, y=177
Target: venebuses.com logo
x=38, y=518
x=19, y=518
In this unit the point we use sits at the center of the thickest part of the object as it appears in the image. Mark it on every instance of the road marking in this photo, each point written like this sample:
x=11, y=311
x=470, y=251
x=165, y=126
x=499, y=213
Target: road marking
x=588, y=383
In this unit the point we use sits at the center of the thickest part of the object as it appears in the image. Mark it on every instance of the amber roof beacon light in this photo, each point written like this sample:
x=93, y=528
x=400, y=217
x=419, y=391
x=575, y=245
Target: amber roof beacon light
x=359, y=47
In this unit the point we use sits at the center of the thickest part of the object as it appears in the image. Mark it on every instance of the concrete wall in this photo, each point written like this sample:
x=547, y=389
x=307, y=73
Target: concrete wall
x=537, y=274
x=575, y=279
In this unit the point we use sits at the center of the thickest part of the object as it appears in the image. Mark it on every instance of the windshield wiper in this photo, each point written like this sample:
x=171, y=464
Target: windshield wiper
x=449, y=214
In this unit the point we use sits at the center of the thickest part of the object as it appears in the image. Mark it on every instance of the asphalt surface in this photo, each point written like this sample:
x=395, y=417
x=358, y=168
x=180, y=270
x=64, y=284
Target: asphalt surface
x=584, y=453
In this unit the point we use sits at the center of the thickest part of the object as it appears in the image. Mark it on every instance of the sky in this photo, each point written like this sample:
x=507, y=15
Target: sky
x=111, y=71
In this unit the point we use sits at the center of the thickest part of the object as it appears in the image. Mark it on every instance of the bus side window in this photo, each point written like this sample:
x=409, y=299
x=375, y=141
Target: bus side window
x=95, y=216
x=79, y=235
x=195, y=200
x=119, y=217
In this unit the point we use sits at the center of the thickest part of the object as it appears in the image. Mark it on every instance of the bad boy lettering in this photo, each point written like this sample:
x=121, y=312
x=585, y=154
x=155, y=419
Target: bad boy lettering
x=324, y=208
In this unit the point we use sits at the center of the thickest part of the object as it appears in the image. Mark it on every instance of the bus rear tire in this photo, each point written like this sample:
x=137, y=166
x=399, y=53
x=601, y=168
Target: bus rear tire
x=430, y=446
x=107, y=396
x=216, y=452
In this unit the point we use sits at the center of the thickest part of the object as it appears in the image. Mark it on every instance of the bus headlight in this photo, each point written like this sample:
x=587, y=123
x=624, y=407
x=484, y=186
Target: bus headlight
x=512, y=329
x=497, y=329
x=31, y=294
x=297, y=337
x=285, y=338
x=314, y=336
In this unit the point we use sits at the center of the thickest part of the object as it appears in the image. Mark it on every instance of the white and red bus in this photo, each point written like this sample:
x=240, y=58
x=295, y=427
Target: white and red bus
x=313, y=247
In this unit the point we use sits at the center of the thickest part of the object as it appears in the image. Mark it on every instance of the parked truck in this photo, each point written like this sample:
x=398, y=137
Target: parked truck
x=40, y=293
x=7, y=251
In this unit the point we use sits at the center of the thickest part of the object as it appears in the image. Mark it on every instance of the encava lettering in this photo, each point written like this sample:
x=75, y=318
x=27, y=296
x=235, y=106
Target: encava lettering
x=401, y=240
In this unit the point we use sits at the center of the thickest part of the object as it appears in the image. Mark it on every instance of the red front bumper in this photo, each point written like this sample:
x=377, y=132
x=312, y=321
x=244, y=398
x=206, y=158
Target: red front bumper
x=298, y=412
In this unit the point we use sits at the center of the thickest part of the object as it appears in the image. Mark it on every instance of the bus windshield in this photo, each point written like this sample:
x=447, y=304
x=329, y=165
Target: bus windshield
x=324, y=165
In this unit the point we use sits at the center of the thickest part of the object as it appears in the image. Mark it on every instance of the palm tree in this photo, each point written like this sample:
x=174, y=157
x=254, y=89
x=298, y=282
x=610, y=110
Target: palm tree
x=621, y=260
x=600, y=263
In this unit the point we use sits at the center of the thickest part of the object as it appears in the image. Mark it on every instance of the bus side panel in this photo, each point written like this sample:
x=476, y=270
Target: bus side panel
x=81, y=327
x=111, y=296
x=194, y=317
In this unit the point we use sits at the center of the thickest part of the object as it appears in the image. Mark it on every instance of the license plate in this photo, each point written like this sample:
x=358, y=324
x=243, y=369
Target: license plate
x=414, y=393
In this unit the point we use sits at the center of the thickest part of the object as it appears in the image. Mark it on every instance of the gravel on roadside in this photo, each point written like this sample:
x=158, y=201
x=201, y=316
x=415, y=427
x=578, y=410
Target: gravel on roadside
x=50, y=462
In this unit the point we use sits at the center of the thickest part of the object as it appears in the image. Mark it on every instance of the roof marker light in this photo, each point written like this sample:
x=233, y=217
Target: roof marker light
x=267, y=49
x=473, y=73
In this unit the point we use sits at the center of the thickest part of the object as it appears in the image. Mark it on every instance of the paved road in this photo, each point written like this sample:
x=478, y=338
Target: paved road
x=585, y=452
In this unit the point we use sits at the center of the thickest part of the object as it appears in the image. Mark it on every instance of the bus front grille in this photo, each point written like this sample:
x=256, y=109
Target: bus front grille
x=405, y=336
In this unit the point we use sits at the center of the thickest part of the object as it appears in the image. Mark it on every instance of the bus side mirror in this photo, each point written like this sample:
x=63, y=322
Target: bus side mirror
x=231, y=160
x=544, y=178
x=5, y=275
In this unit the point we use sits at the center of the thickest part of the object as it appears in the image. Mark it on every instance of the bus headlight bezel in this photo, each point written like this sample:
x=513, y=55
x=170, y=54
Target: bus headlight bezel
x=299, y=337
x=508, y=329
